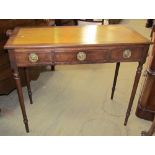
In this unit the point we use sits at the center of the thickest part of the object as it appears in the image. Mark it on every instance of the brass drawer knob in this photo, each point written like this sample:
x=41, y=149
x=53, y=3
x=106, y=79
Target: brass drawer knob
x=33, y=57
x=81, y=56
x=126, y=53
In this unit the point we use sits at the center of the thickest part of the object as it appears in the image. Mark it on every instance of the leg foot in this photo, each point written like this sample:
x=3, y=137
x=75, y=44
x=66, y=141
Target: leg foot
x=145, y=133
x=126, y=118
x=26, y=125
x=52, y=68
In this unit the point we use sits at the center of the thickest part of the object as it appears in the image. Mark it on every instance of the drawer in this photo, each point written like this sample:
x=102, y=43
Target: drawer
x=33, y=57
x=83, y=56
x=126, y=54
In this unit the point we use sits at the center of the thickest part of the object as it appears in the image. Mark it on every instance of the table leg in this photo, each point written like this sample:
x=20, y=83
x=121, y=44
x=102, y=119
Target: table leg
x=135, y=85
x=21, y=98
x=26, y=70
x=52, y=68
x=150, y=131
x=115, y=79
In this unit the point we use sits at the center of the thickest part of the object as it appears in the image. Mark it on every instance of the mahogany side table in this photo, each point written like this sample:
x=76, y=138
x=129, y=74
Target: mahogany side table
x=30, y=47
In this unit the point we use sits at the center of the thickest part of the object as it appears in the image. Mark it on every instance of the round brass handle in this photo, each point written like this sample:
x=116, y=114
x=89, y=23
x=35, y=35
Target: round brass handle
x=81, y=56
x=126, y=53
x=33, y=57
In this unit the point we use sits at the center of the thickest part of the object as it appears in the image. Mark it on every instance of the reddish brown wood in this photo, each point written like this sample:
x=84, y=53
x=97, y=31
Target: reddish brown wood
x=137, y=77
x=7, y=83
x=16, y=77
x=21, y=98
x=69, y=56
x=64, y=49
x=28, y=84
x=44, y=57
x=115, y=79
x=117, y=54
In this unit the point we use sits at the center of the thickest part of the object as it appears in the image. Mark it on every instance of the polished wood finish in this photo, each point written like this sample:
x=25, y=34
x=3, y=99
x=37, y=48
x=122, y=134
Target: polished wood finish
x=76, y=35
x=7, y=83
x=76, y=45
x=16, y=77
x=137, y=77
x=22, y=57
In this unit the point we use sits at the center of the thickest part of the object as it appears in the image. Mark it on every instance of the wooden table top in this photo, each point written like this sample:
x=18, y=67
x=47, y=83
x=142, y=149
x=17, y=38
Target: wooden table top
x=74, y=35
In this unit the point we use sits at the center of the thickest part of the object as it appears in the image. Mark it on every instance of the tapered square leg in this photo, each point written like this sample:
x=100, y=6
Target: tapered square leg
x=27, y=77
x=115, y=79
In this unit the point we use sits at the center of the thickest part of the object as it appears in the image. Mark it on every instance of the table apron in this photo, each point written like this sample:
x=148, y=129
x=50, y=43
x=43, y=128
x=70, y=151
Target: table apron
x=58, y=56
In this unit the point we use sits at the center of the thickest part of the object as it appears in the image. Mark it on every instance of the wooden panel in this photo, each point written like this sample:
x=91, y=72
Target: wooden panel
x=74, y=35
x=44, y=57
x=70, y=56
x=117, y=54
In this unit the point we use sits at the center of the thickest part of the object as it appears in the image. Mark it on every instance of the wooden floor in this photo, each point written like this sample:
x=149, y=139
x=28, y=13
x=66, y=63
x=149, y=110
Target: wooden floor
x=75, y=100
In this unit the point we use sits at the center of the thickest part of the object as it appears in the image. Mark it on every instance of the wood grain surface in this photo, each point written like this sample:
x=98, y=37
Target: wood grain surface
x=74, y=35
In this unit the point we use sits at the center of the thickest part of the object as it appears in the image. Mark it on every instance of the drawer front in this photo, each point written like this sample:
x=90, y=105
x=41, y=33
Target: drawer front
x=33, y=57
x=81, y=56
x=126, y=54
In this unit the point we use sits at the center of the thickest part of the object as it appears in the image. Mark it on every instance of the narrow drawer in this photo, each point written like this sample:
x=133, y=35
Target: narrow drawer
x=126, y=54
x=83, y=56
x=33, y=57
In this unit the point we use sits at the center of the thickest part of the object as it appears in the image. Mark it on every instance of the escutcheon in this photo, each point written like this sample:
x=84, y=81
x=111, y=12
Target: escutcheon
x=126, y=53
x=81, y=56
x=33, y=57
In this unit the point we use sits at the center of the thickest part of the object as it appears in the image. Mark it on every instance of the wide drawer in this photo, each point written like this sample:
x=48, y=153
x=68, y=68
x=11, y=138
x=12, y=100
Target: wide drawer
x=33, y=57
x=77, y=56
